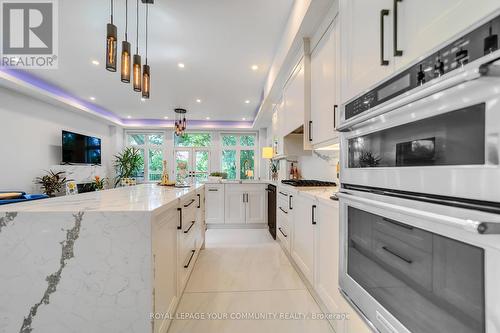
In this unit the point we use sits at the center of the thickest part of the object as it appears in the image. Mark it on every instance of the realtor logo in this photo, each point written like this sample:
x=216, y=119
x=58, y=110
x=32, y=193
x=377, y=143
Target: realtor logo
x=29, y=34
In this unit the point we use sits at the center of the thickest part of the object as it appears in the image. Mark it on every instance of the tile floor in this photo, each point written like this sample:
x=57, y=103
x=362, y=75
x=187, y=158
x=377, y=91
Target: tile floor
x=245, y=272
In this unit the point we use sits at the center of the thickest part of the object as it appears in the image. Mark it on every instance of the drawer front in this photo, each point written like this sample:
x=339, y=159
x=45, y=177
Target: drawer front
x=404, y=259
x=405, y=233
x=283, y=231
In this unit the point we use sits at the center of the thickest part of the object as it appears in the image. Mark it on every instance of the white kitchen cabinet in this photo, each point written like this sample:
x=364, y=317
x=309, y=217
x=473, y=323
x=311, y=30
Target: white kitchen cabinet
x=188, y=239
x=235, y=205
x=425, y=24
x=324, y=86
x=214, y=203
x=245, y=203
x=165, y=295
x=361, y=44
x=326, y=258
x=302, y=246
x=294, y=100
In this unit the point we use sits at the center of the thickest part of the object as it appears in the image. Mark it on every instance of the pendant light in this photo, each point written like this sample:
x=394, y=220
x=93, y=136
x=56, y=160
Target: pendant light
x=125, y=70
x=111, y=40
x=180, y=121
x=137, y=58
x=146, y=75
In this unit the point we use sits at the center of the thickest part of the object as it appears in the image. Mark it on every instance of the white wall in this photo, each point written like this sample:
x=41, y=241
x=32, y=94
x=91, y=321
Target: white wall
x=30, y=140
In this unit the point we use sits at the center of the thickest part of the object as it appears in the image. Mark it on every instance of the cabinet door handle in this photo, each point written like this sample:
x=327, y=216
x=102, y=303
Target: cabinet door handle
x=284, y=211
x=212, y=190
x=285, y=235
x=335, y=107
x=397, y=53
x=383, y=14
x=188, y=229
x=179, y=227
x=199, y=200
x=247, y=197
x=310, y=130
x=190, y=258
x=290, y=202
x=283, y=194
x=385, y=248
x=313, y=214
x=399, y=224
x=190, y=203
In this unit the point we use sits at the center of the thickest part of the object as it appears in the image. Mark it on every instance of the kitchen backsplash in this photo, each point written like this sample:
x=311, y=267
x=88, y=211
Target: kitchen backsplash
x=322, y=165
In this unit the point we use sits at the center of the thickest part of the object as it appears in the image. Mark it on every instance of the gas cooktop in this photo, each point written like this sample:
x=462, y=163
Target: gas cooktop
x=307, y=183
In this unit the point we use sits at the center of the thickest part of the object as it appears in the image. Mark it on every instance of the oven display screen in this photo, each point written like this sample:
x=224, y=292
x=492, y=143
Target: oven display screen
x=394, y=87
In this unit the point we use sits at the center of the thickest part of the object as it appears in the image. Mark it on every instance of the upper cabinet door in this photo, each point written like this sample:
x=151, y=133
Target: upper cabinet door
x=294, y=97
x=324, y=86
x=362, y=22
x=424, y=24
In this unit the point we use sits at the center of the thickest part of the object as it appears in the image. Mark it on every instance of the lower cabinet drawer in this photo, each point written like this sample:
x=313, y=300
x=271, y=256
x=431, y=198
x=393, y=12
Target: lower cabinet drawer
x=283, y=233
x=404, y=259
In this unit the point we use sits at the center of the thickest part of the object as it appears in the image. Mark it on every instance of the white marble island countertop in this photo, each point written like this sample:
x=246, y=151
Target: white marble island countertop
x=140, y=198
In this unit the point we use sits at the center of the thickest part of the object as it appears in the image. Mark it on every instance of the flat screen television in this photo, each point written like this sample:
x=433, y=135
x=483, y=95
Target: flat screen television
x=80, y=149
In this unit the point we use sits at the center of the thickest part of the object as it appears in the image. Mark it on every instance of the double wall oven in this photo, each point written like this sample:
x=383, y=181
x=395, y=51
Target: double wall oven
x=420, y=198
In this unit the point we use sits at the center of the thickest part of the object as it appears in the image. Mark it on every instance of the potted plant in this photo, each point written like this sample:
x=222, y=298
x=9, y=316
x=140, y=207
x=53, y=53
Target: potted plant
x=52, y=182
x=128, y=163
x=217, y=176
x=98, y=183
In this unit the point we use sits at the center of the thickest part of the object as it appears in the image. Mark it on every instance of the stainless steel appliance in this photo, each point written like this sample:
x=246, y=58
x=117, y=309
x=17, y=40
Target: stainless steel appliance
x=420, y=197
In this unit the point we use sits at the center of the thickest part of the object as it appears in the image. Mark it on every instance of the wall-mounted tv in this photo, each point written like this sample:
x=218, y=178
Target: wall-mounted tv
x=80, y=149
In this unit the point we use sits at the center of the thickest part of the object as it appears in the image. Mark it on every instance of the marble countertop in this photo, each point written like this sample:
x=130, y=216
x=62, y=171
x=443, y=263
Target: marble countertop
x=140, y=198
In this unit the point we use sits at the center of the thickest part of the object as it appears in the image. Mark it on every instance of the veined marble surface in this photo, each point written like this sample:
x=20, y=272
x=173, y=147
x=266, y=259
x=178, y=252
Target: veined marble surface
x=143, y=198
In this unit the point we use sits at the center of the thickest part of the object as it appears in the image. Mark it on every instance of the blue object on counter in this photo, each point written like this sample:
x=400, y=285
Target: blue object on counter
x=24, y=197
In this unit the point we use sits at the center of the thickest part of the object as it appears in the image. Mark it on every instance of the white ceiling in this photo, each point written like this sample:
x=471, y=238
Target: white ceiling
x=217, y=40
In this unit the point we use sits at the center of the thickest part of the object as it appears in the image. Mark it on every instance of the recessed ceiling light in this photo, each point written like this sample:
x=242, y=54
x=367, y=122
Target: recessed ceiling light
x=129, y=117
x=165, y=117
x=247, y=101
x=255, y=67
x=207, y=118
x=198, y=100
x=143, y=99
x=95, y=62
x=243, y=118
x=92, y=98
x=181, y=65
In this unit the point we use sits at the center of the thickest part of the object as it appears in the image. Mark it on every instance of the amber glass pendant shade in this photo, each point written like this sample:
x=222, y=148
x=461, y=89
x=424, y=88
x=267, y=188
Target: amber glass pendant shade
x=146, y=81
x=111, y=41
x=125, y=71
x=137, y=73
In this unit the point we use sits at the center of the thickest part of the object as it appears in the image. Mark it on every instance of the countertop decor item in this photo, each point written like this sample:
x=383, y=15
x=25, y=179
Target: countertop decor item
x=52, y=182
x=165, y=181
x=99, y=183
x=127, y=164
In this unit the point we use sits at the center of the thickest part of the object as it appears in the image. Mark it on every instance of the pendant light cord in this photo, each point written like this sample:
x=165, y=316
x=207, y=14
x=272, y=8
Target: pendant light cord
x=126, y=20
x=137, y=35
x=147, y=20
x=112, y=11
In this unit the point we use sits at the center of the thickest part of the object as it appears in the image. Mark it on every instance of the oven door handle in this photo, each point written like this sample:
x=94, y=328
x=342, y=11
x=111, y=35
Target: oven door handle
x=469, y=225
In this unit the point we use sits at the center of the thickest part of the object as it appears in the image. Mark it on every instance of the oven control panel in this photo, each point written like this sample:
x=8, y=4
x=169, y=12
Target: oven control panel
x=469, y=47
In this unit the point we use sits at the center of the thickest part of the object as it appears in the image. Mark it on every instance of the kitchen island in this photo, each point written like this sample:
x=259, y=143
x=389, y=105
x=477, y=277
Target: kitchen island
x=98, y=262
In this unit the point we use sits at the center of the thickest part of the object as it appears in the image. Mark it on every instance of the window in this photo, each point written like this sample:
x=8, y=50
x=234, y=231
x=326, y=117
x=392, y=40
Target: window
x=238, y=155
x=192, y=156
x=152, y=151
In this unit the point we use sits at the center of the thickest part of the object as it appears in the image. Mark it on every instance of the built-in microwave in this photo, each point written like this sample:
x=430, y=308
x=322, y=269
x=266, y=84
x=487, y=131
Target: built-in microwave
x=411, y=266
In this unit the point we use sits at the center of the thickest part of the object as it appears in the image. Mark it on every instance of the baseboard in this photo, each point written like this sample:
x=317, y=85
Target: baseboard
x=238, y=226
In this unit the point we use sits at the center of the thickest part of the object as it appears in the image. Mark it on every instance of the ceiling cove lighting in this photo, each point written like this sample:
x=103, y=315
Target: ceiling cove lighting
x=180, y=121
x=125, y=69
x=111, y=39
x=146, y=74
x=137, y=58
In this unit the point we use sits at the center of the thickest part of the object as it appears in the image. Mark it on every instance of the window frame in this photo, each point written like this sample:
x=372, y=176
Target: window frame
x=146, y=147
x=238, y=148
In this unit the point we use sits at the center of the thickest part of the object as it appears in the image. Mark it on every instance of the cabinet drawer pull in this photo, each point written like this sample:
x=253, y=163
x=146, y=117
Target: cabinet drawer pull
x=212, y=190
x=335, y=107
x=397, y=53
x=383, y=14
x=285, y=235
x=399, y=224
x=313, y=214
x=190, y=203
x=199, y=201
x=310, y=130
x=283, y=194
x=290, y=202
x=284, y=211
x=385, y=248
x=188, y=229
x=190, y=258
x=179, y=227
